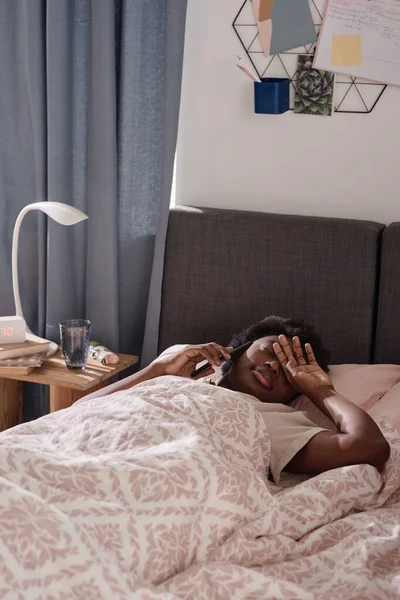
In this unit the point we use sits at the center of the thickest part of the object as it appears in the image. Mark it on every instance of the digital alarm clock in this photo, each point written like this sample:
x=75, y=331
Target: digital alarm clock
x=12, y=330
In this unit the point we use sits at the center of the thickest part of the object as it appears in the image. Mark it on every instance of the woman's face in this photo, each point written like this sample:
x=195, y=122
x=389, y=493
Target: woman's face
x=257, y=372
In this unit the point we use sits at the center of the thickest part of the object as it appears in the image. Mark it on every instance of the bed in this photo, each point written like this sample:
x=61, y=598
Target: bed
x=166, y=498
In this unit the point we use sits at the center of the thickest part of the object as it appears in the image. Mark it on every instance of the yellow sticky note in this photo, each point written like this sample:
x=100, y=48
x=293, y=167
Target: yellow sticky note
x=346, y=50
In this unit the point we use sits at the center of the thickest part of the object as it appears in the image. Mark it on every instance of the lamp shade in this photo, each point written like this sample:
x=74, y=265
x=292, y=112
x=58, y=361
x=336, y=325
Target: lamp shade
x=59, y=212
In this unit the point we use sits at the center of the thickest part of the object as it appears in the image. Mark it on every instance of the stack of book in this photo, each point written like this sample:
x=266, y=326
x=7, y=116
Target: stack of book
x=21, y=359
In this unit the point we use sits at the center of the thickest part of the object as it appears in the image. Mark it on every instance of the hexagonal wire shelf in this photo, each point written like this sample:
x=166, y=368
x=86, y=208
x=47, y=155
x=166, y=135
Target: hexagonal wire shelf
x=352, y=95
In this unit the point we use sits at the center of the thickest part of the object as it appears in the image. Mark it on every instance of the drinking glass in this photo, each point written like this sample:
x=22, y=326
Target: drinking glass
x=75, y=342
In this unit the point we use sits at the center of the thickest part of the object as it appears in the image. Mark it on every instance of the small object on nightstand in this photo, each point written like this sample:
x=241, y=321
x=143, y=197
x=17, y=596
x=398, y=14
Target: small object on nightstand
x=271, y=96
x=21, y=358
x=12, y=330
x=103, y=354
x=25, y=349
x=22, y=365
x=75, y=340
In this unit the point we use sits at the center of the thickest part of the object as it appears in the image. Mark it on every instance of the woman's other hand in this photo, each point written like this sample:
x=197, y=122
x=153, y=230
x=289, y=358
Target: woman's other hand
x=184, y=360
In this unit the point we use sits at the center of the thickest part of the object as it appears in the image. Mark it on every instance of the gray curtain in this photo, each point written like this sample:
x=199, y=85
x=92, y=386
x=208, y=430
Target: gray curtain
x=89, y=101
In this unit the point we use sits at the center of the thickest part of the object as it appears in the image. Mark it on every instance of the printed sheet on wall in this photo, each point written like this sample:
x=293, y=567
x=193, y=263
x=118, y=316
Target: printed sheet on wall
x=361, y=38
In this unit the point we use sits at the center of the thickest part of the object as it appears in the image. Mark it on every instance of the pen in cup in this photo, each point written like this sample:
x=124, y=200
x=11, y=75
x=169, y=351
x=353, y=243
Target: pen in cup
x=247, y=71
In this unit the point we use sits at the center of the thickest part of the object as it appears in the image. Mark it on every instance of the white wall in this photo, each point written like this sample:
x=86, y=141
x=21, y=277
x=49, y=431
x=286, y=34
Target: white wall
x=228, y=157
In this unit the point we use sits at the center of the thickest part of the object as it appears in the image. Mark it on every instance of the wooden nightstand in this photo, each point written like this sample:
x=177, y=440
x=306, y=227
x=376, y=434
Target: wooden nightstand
x=66, y=387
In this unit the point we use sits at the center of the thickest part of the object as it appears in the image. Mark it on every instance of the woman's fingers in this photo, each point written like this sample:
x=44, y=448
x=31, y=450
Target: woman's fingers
x=215, y=352
x=280, y=355
x=218, y=352
x=212, y=355
x=287, y=365
x=222, y=351
x=310, y=355
x=291, y=367
x=298, y=351
x=211, y=352
x=197, y=354
x=286, y=347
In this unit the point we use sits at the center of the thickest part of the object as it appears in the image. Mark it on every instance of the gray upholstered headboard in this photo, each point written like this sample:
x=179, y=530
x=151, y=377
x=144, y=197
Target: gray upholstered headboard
x=387, y=348
x=226, y=269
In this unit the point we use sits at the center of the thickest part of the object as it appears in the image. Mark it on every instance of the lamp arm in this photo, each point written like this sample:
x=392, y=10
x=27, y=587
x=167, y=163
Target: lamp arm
x=14, y=260
x=61, y=213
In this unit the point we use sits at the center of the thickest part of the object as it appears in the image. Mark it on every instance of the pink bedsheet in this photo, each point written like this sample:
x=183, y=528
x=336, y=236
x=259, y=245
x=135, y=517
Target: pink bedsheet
x=160, y=492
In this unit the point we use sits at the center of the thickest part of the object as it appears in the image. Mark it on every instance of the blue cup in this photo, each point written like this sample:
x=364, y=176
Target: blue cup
x=271, y=96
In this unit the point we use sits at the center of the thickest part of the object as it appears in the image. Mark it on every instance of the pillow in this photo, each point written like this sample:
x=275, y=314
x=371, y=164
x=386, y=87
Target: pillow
x=388, y=408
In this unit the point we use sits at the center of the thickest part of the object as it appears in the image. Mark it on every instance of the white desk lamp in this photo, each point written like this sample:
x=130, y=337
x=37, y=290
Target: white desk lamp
x=61, y=213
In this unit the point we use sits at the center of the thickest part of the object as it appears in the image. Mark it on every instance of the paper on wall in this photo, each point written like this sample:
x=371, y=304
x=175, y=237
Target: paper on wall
x=372, y=48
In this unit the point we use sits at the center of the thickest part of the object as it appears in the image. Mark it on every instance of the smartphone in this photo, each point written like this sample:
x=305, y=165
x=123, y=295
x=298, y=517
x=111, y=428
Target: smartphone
x=235, y=353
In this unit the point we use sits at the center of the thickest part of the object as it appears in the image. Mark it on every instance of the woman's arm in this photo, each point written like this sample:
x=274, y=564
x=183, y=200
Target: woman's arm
x=359, y=439
x=180, y=362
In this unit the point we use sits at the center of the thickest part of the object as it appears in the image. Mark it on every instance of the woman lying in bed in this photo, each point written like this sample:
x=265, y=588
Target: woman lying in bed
x=279, y=364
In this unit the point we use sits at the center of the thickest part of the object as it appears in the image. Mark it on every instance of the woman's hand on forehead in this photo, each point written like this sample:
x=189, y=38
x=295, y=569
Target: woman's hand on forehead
x=304, y=373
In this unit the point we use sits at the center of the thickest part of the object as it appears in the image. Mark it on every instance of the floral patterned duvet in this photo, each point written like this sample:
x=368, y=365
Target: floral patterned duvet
x=161, y=492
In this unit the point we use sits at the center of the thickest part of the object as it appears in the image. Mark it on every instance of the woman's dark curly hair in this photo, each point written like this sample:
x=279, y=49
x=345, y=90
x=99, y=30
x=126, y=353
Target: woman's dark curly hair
x=276, y=326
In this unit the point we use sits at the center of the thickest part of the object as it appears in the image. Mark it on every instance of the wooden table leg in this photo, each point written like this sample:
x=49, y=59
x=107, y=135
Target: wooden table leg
x=61, y=397
x=10, y=403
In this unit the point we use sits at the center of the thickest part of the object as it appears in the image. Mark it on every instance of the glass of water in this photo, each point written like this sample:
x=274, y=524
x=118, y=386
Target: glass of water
x=75, y=342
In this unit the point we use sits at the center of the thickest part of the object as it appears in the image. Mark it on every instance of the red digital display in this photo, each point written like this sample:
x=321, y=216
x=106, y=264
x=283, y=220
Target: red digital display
x=7, y=331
